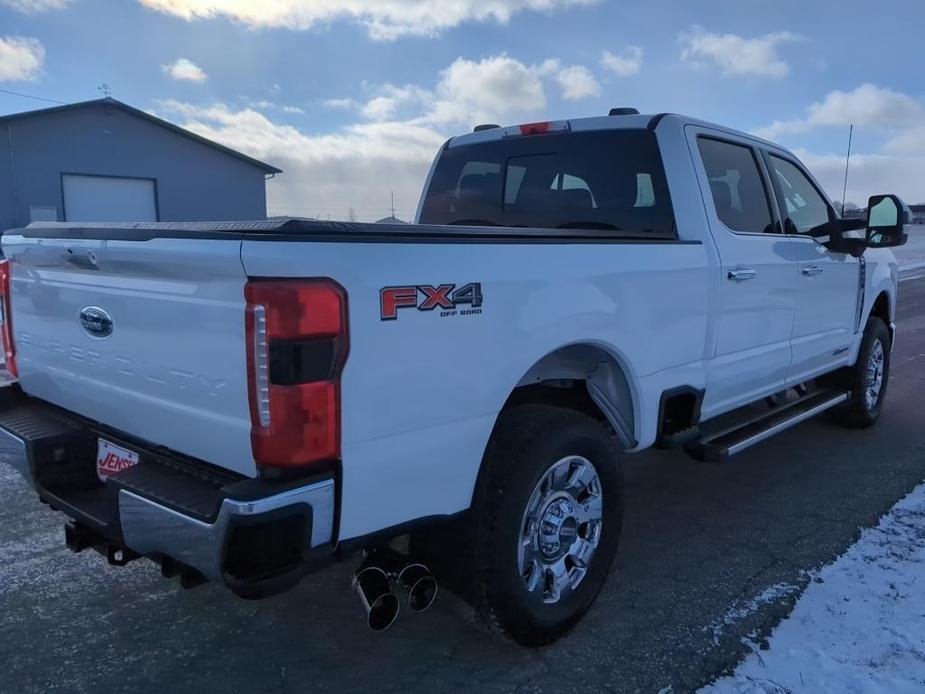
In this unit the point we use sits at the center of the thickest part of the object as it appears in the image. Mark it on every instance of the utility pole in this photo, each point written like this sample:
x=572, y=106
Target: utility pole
x=847, y=163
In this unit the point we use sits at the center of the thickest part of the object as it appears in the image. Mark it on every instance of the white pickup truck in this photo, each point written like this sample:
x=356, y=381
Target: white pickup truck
x=243, y=402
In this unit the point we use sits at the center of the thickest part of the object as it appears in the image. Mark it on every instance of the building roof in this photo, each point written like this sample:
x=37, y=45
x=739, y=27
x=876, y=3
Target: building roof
x=131, y=110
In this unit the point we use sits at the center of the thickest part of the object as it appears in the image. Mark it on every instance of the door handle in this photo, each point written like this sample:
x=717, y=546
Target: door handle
x=742, y=273
x=812, y=270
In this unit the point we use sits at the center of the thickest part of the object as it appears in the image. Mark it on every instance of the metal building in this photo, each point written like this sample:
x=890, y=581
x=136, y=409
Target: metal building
x=105, y=161
x=918, y=214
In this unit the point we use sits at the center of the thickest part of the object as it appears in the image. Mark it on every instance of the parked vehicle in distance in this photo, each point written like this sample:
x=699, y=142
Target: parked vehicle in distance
x=242, y=402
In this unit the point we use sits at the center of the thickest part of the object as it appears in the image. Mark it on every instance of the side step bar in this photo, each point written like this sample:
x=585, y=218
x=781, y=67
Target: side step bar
x=727, y=442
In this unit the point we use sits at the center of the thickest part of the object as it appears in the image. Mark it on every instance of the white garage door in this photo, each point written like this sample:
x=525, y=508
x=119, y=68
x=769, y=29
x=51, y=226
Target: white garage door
x=109, y=199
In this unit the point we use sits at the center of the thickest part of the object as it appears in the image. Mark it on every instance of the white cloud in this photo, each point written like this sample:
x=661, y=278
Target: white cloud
x=345, y=103
x=736, y=55
x=35, y=6
x=908, y=142
x=577, y=83
x=470, y=92
x=500, y=88
x=866, y=106
x=383, y=19
x=381, y=107
x=627, y=64
x=491, y=89
x=870, y=174
x=896, y=118
x=21, y=59
x=184, y=69
x=266, y=104
x=391, y=99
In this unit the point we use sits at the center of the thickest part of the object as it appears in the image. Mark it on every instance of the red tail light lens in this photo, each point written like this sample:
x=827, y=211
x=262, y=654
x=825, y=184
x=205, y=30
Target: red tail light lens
x=6, y=319
x=534, y=129
x=296, y=348
x=553, y=126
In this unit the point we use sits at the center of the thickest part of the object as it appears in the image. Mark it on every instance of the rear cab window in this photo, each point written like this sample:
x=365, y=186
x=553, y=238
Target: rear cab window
x=604, y=181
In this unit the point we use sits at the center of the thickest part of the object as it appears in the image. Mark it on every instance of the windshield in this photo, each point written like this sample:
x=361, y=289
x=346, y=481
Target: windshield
x=604, y=180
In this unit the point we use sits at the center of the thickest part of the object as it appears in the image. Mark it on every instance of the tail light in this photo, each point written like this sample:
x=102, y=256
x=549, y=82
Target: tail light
x=297, y=344
x=6, y=319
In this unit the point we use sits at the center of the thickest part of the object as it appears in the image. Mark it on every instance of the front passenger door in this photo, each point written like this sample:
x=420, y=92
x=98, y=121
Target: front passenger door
x=827, y=304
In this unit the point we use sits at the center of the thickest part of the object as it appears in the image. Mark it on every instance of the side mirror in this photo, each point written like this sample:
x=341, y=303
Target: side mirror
x=887, y=217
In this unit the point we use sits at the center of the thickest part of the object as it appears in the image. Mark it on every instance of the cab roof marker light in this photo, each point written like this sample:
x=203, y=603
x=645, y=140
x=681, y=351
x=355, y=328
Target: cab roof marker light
x=542, y=128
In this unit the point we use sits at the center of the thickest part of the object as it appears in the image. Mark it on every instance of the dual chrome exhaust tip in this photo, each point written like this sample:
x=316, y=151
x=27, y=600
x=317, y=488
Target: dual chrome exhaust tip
x=373, y=582
x=421, y=586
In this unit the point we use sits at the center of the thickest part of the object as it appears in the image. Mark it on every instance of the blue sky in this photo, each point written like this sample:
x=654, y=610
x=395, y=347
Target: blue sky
x=352, y=98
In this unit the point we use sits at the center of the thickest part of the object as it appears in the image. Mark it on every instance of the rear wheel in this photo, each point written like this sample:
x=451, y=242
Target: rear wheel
x=867, y=379
x=547, y=518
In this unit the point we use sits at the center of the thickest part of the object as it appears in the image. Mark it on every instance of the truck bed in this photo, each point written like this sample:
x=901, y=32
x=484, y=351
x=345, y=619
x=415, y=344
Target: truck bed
x=419, y=392
x=296, y=229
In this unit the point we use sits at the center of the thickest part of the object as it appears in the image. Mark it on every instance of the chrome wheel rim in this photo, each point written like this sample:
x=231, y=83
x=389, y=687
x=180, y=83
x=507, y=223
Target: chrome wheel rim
x=560, y=529
x=874, y=384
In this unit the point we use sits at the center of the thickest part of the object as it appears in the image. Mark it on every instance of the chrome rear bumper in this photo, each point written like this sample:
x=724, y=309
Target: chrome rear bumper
x=150, y=528
x=13, y=453
x=42, y=444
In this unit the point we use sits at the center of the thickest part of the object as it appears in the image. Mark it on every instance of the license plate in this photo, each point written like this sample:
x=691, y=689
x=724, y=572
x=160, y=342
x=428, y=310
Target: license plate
x=111, y=459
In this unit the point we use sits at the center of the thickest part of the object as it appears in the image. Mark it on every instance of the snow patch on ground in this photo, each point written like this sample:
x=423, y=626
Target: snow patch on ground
x=859, y=626
x=743, y=609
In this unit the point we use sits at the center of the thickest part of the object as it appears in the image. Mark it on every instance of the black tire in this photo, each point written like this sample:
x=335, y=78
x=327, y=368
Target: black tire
x=527, y=442
x=858, y=412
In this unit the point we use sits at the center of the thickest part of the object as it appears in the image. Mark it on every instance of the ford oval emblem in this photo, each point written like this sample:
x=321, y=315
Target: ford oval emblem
x=96, y=321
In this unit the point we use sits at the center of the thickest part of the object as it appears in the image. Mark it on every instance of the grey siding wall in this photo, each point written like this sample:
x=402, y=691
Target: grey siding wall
x=194, y=181
x=6, y=182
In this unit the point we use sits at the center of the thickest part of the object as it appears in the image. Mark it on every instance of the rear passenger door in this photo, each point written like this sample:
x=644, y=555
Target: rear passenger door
x=759, y=278
x=827, y=307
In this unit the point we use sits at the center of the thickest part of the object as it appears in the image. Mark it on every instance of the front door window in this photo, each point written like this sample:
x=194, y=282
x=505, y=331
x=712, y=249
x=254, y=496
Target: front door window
x=807, y=211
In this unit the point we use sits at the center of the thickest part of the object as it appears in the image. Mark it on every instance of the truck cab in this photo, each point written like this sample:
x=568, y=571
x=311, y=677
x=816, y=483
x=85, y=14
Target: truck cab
x=788, y=289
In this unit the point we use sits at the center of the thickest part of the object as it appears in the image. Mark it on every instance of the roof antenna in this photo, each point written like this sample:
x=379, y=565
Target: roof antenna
x=104, y=90
x=393, y=205
x=847, y=162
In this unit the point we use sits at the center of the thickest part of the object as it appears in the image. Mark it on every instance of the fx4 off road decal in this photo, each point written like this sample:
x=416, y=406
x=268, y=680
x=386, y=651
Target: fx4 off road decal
x=445, y=298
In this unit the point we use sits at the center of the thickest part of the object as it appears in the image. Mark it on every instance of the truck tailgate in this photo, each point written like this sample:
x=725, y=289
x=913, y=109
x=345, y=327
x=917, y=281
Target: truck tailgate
x=144, y=336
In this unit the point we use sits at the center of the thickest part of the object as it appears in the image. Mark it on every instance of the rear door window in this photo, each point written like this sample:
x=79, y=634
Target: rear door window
x=602, y=181
x=738, y=190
